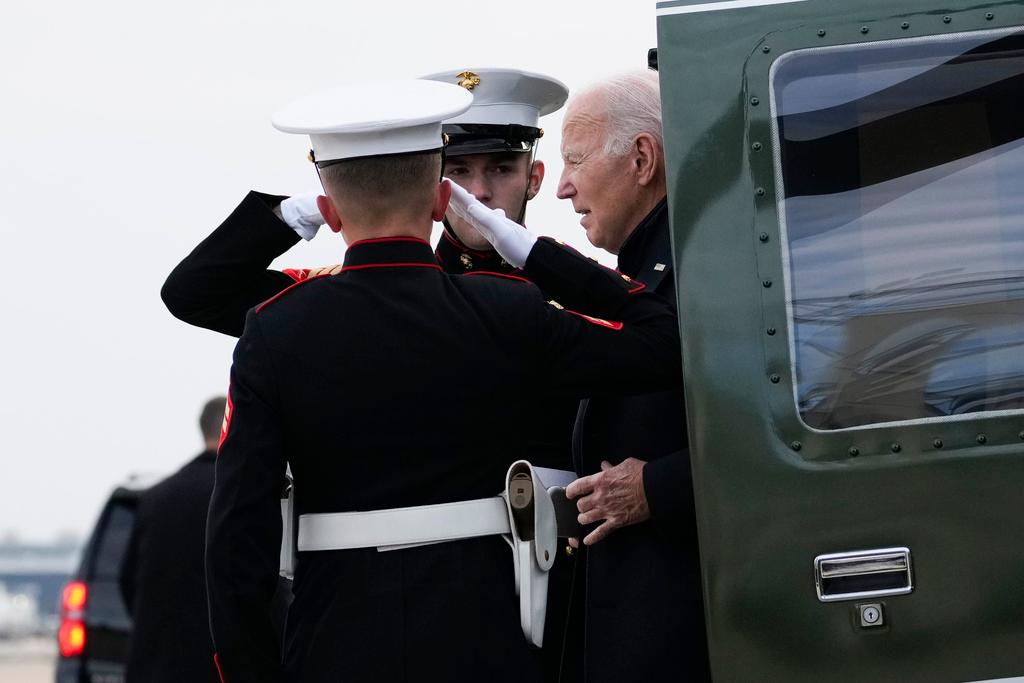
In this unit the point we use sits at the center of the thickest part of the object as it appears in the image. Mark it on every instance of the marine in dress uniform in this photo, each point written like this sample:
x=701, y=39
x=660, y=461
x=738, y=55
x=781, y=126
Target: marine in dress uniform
x=228, y=273
x=345, y=377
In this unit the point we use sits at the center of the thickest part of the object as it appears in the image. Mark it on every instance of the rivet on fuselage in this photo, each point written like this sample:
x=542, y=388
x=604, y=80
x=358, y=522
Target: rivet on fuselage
x=989, y=16
x=937, y=443
x=981, y=438
x=796, y=445
x=905, y=25
x=895, y=448
x=771, y=331
x=756, y=147
x=946, y=19
x=766, y=49
x=864, y=29
x=821, y=32
x=760, y=192
x=763, y=237
x=755, y=101
x=854, y=451
x=774, y=379
x=766, y=284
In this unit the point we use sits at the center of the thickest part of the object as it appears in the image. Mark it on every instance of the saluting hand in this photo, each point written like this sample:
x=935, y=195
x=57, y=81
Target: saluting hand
x=615, y=495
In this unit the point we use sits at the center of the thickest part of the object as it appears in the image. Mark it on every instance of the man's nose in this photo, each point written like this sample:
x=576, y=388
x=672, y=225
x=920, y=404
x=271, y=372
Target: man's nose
x=566, y=189
x=480, y=188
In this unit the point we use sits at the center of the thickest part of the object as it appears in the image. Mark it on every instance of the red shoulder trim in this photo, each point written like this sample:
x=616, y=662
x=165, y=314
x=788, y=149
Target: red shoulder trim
x=504, y=275
x=610, y=324
x=288, y=289
x=377, y=240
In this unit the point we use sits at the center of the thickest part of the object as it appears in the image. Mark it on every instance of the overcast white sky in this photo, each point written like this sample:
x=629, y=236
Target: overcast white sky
x=129, y=131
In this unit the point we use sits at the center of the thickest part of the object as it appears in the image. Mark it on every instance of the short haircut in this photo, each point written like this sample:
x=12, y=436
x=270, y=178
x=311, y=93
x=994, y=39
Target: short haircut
x=212, y=417
x=386, y=182
x=632, y=105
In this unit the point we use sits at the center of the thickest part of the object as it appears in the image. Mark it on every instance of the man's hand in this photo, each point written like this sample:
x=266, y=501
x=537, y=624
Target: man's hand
x=511, y=240
x=615, y=494
x=302, y=215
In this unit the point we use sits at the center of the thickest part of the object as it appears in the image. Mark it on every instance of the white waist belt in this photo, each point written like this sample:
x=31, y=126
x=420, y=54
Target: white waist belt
x=404, y=526
x=530, y=529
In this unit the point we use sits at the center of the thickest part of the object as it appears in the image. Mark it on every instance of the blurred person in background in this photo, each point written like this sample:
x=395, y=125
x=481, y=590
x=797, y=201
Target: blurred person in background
x=162, y=578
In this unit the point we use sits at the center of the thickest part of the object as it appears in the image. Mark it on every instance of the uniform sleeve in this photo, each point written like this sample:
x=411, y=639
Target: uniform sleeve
x=635, y=350
x=243, y=533
x=227, y=274
x=576, y=282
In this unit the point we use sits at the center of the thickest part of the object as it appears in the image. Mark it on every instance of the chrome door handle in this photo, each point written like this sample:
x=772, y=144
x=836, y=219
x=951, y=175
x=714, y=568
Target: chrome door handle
x=863, y=574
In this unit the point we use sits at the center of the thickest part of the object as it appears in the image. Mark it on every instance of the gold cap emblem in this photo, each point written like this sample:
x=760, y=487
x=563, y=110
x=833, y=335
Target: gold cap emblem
x=468, y=80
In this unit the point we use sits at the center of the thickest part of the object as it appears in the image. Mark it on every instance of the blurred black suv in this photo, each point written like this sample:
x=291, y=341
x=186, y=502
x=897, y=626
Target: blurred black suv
x=94, y=624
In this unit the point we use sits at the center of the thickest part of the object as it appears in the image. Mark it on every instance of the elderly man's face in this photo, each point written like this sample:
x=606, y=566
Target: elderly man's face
x=601, y=187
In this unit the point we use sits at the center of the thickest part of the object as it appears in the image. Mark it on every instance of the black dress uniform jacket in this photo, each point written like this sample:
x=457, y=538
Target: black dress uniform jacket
x=644, y=618
x=345, y=377
x=228, y=273
x=162, y=580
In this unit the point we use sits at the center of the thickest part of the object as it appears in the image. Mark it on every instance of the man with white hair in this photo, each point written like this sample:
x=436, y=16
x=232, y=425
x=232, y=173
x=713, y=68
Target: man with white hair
x=644, y=617
x=643, y=613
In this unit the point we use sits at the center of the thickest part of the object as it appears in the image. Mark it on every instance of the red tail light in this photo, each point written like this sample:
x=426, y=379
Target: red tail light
x=73, y=599
x=71, y=636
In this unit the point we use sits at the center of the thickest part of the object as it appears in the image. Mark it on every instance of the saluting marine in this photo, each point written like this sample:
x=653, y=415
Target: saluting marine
x=342, y=377
x=491, y=151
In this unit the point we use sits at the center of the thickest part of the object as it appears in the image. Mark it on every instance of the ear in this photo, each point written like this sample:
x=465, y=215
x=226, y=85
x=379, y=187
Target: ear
x=329, y=213
x=536, y=178
x=646, y=158
x=441, y=199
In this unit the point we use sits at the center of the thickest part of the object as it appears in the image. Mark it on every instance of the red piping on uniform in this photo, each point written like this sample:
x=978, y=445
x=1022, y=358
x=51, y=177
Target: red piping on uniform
x=216, y=663
x=636, y=289
x=390, y=265
x=229, y=409
x=288, y=289
x=504, y=275
x=610, y=324
x=377, y=240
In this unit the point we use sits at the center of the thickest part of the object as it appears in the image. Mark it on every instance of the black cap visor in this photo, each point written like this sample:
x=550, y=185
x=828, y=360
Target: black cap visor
x=485, y=138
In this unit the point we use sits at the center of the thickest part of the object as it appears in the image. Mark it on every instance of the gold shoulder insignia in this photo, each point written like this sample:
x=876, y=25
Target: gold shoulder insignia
x=468, y=80
x=557, y=305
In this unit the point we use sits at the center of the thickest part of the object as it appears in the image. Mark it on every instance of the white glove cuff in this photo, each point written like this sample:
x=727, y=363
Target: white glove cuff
x=302, y=215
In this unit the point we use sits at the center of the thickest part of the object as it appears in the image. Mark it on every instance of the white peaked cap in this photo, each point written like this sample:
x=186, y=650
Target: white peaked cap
x=505, y=96
x=374, y=119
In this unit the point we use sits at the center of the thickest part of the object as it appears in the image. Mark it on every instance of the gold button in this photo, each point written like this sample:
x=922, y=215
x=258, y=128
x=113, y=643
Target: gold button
x=569, y=551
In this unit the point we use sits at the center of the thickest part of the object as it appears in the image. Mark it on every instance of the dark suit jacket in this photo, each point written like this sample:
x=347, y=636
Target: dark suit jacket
x=641, y=612
x=163, y=583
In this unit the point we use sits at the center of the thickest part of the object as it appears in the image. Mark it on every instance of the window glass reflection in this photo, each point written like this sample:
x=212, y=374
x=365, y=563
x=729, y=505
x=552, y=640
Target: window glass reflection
x=902, y=169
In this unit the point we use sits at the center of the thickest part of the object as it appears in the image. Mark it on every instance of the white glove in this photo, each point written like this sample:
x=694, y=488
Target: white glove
x=511, y=240
x=302, y=215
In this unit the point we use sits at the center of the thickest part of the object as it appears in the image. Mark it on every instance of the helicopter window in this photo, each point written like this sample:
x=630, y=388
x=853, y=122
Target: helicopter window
x=901, y=185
